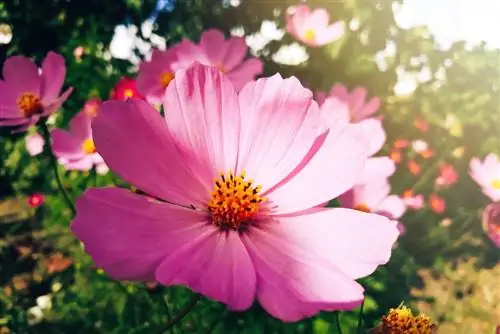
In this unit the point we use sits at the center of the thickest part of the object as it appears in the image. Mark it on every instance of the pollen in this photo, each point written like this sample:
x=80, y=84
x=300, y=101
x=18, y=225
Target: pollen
x=128, y=93
x=495, y=184
x=29, y=104
x=310, y=35
x=362, y=207
x=402, y=321
x=165, y=79
x=234, y=201
x=88, y=146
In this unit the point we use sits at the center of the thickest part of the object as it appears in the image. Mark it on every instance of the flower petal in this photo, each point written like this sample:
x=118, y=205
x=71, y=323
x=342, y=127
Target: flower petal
x=393, y=207
x=374, y=131
x=377, y=168
x=215, y=264
x=129, y=235
x=150, y=161
x=204, y=117
x=53, y=74
x=331, y=33
x=79, y=126
x=65, y=145
x=8, y=102
x=213, y=43
x=245, y=73
x=235, y=53
x=22, y=74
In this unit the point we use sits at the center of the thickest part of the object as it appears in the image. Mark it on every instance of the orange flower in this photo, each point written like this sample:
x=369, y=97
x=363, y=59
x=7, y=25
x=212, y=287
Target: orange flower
x=400, y=143
x=413, y=167
x=395, y=156
x=437, y=203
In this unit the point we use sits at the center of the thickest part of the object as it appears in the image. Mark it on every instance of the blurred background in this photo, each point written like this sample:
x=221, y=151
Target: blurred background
x=435, y=65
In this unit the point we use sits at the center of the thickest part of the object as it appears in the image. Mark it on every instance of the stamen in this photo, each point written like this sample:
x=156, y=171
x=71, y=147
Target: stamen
x=29, y=104
x=165, y=79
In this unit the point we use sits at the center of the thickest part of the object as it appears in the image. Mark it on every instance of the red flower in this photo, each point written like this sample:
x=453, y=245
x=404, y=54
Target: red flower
x=437, y=203
x=125, y=89
x=35, y=200
x=447, y=175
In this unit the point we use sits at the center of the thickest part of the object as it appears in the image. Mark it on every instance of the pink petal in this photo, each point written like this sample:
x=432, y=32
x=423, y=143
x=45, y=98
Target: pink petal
x=354, y=242
x=53, y=74
x=22, y=74
x=129, y=235
x=235, y=53
x=320, y=97
x=299, y=18
x=318, y=20
x=340, y=156
x=377, y=168
x=245, y=73
x=331, y=33
x=374, y=131
x=339, y=91
x=8, y=102
x=293, y=281
x=280, y=123
x=149, y=78
x=135, y=143
x=369, y=108
x=334, y=110
x=65, y=145
x=214, y=45
x=79, y=126
x=34, y=144
x=393, y=207
x=84, y=163
x=204, y=117
x=356, y=101
x=57, y=103
x=371, y=194
x=215, y=264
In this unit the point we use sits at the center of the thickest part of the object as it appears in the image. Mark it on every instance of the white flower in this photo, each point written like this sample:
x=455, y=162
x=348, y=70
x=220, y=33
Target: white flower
x=34, y=315
x=123, y=41
x=292, y=54
x=419, y=145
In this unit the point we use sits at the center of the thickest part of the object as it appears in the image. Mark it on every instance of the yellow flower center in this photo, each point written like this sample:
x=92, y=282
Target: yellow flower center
x=362, y=207
x=88, y=146
x=402, y=321
x=128, y=93
x=495, y=184
x=165, y=79
x=234, y=201
x=29, y=104
x=310, y=35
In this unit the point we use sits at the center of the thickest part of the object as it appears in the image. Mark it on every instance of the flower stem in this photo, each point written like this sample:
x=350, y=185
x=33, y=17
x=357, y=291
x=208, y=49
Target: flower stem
x=337, y=322
x=53, y=163
x=360, y=318
x=182, y=313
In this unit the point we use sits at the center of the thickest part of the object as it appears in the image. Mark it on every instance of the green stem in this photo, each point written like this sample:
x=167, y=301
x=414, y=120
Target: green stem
x=182, y=313
x=337, y=322
x=360, y=318
x=53, y=163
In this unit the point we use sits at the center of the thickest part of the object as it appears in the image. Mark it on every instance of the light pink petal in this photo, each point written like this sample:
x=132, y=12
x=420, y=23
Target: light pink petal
x=293, y=281
x=65, y=145
x=8, y=102
x=354, y=242
x=245, y=73
x=320, y=97
x=34, y=144
x=215, y=264
x=393, y=207
x=340, y=156
x=188, y=53
x=84, y=163
x=22, y=74
x=371, y=194
x=377, y=168
x=339, y=91
x=203, y=117
x=331, y=33
x=79, y=126
x=318, y=20
x=493, y=194
x=476, y=172
x=374, y=131
x=280, y=123
x=53, y=74
x=102, y=169
x=129, y=235
x=334, y=110
x=369, y=108
x=214, y=45
x=135, y=143
x=235, y=53
x=298, y=19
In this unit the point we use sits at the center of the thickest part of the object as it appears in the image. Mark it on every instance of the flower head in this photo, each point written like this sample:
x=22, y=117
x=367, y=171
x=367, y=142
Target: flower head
x=238, y=192
x=412, y=201
x=91, y=107
x=34, y=143
x=35, y=200
x=487, y=175
x=402, y=321
x=125, y=89
x=491, y=222
x=437, y=203
x=447, y=175
x=228, y=55
x=312, y=27
x=28, y=93
x=75, y=149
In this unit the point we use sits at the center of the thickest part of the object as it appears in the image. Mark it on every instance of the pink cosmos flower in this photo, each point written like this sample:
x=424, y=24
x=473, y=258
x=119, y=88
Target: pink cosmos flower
x=34, y=144
x=374, y=197
x=487, y=175
x=237, y=214
x=312, y=27
x=75, y=148
x=491, y=222
x=214, y=50
x=335, y=109
x=28, y=93
x=447, y=175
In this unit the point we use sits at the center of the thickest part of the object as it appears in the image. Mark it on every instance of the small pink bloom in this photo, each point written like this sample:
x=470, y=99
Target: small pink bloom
x=228, y=55
x=91, y=107
x=312, y=27
x=374, y=197
x=447, y=175
x=34, y=144
x=28, y=93
x=124, y=89
x=487, y=175
x=412, y=201
x=75, y=148
x=247, y=175
x=437, y=203
x=491, y=222
x=334, y=109
x=401, y=143
x=35, y=200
